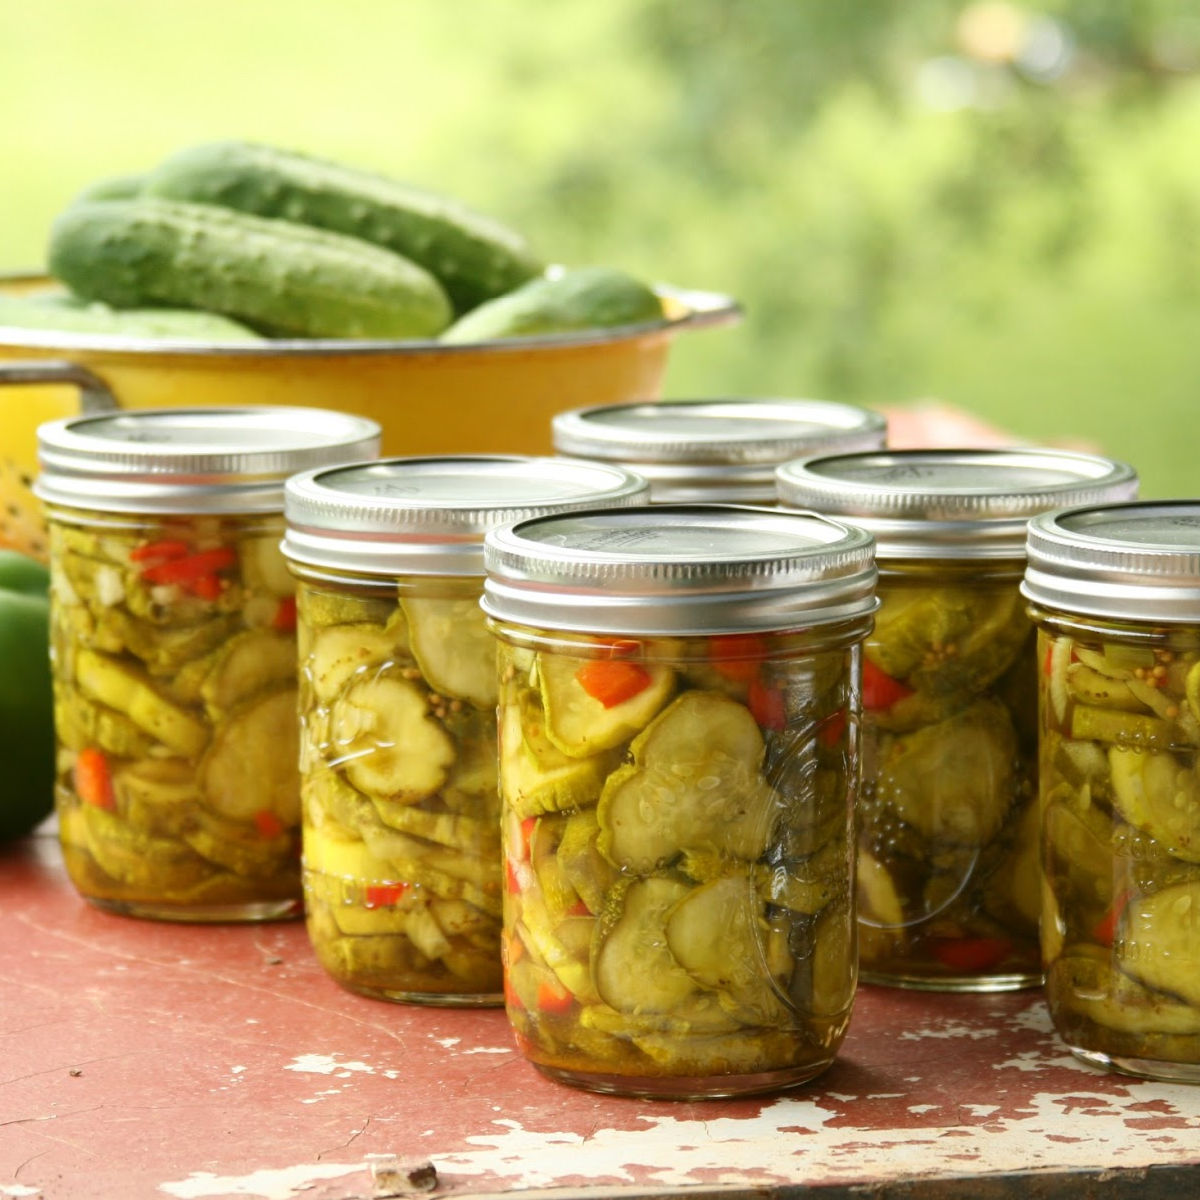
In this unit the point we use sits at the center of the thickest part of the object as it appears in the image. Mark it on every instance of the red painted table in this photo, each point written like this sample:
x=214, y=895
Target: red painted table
x=143, y=1060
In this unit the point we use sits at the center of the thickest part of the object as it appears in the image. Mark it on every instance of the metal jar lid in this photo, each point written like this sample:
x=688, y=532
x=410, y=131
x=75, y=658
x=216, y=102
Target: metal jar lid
x=679, y=569
x=716, y=449
x=1130, y=562
x=931, y=504
x=192, y=460
x=428, y=515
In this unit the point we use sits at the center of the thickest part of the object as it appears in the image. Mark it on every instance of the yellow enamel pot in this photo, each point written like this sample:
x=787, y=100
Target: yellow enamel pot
x=430, y=398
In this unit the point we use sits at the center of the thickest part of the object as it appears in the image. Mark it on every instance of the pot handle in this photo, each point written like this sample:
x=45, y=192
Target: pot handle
x=95, y=396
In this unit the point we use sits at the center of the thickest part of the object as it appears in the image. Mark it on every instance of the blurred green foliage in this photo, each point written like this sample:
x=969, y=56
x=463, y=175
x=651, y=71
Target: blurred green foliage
x=996, y=205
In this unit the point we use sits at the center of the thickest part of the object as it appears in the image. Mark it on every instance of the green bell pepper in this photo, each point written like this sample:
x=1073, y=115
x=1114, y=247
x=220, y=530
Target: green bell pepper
x=26, y=701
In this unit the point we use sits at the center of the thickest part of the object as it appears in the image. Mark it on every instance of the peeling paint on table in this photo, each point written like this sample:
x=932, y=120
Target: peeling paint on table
x=150, y=1060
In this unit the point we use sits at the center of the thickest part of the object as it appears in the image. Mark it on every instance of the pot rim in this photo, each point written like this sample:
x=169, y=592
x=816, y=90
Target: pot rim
x=696, y=309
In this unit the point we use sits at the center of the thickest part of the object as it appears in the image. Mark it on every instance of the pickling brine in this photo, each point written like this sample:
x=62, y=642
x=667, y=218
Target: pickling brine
x=174, y=656
x=1121, y=827
x=949, y=886
x=678, y=853
x=401, y=816
x=948, y=850
x=1115, y=592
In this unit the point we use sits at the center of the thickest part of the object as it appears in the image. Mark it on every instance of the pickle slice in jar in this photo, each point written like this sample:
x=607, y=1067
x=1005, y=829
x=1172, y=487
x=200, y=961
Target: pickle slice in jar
x=237, y=846
x=695, y=783
x=634, y=969
x=719, y=934
x=878, y=897
x=81, y=722
x=584, y=715
x=247, y=664
x=543, y=780
x=953, y=781
x=949, y=640
x=1089, y=686
x=387, y=740
x=1158, y=940
x=1084, y=982
x=339, y=652
x=453, y=646
x=1090, y=723
x=124, y=688
x=582, y=864
x=1156, y=794
x=253, y=763
x=133, y=856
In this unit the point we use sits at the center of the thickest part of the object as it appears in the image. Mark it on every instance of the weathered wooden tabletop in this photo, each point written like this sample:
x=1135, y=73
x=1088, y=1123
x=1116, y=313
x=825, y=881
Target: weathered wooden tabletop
x=153, y=1060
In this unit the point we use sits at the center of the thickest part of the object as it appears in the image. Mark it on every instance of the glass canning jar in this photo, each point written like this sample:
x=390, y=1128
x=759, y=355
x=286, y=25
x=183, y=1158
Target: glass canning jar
x=948, y=880
x=173, y=653
x=402, y=868
x=678, y=756
x=1115, y=593
x=722, y=450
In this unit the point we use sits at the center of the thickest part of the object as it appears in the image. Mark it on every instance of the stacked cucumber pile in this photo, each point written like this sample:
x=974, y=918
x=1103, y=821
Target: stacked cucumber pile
x=231, y=240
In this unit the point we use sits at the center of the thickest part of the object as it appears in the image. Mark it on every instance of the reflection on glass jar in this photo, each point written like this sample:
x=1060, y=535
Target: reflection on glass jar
x=174, y=657
x=948, y=872
x=677, y=807
x=403, y=879
x=1120, y=782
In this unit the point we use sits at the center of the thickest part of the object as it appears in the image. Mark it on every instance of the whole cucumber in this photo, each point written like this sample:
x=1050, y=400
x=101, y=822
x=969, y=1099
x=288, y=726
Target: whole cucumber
x=277, y=276
x=69, y=314
x=473, y=256
x=577, y=298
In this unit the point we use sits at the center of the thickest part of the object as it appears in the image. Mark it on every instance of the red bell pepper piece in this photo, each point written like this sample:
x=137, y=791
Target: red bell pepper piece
x=879, y=689
x=190, y=567
x=553, y=997
x=268, y=823
x=284, y=619
x=612, y=681
x=971, y=953
x=164, y=548
x=737, y=656
x=528, y=825
x=832, y=729
x=383, y=895
x=1105, y=930
x=93, y=779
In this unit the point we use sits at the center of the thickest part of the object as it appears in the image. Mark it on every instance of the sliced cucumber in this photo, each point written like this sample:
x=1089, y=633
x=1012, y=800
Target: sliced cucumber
x=1158, y=940
x=1153, y=792
x=341, y=652
x=718, y=934
x=125, y=689
x=878, y=897
x=454, y=648
x=386, y=739
x=578, y=724
x=1087, y=983
x=254, y=761
x=248, y=663
x=532, y=782
x=695, y=784
x=589, y=872
x=634, y=969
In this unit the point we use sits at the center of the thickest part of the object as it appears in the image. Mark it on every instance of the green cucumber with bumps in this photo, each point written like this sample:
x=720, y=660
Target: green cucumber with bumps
x=276, y=276
x=473, y=256
x=68, y=314
x=578, y=298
